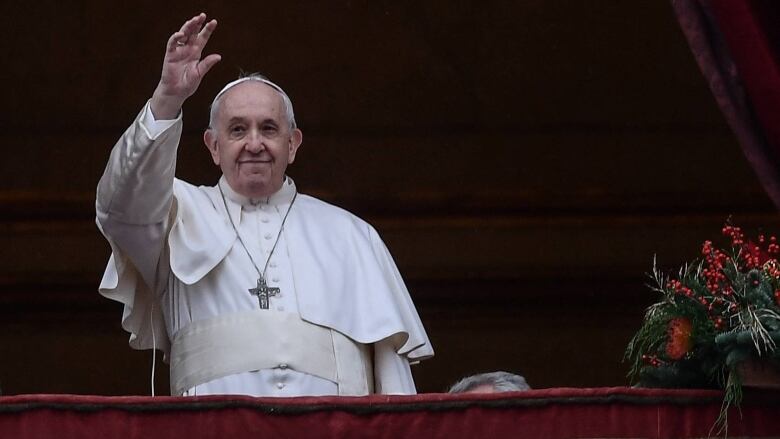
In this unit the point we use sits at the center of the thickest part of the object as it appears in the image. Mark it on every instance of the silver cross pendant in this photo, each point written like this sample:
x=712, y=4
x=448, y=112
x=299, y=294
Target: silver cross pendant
x=264, y=293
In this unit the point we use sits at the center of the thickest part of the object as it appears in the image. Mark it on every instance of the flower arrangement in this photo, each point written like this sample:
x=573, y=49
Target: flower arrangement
x=721, y=311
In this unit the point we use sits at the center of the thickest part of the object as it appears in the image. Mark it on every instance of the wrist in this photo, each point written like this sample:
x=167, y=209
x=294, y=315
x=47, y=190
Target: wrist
x=165, y=107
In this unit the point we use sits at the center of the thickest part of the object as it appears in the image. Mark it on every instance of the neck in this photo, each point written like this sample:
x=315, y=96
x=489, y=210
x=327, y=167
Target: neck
x=261, y=192
x=280, y=195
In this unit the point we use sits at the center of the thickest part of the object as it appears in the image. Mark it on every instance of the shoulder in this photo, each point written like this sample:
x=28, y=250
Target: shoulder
x=331, y=216
x=182, y=186
x=183, y=189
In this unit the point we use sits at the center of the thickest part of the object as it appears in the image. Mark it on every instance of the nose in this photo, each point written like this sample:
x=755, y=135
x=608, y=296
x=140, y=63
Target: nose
x=254, y=142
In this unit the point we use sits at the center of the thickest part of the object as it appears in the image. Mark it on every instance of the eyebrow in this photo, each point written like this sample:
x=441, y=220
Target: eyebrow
x=236, y=119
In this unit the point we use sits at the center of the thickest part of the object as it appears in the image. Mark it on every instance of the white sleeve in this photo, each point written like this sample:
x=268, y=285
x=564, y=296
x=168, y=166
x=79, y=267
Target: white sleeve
x=156, y=127
x=135, y=195
x=134, y=205
x=392, y=374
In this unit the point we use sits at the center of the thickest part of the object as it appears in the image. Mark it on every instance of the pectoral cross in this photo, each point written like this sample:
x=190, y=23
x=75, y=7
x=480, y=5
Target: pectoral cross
x=263, y=293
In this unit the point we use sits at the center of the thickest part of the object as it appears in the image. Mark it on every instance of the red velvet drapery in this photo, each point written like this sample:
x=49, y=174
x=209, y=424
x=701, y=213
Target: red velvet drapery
x=538, y=414
x=736, y=46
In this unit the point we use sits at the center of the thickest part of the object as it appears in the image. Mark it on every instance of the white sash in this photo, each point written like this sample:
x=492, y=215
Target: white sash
x=214, y=348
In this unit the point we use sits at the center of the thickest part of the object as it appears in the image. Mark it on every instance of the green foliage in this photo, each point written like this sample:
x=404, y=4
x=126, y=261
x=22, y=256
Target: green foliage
x=721, y=310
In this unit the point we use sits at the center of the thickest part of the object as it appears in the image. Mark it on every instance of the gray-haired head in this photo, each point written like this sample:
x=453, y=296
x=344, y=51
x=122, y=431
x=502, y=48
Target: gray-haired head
x=500, y=381
x=288, y=107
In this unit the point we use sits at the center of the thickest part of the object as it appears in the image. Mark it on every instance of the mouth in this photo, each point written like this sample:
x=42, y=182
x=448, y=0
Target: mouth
x=253, y=161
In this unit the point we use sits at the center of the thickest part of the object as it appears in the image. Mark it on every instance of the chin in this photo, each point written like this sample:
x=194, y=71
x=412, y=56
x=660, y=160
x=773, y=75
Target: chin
x=256, y=189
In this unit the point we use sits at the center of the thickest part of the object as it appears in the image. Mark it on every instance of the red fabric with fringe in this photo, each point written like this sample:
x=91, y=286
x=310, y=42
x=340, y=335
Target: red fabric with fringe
x=544, y=414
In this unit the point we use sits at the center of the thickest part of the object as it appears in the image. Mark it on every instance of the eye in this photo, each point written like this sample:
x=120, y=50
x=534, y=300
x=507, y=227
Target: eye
x=269, y=130
x=237, y=130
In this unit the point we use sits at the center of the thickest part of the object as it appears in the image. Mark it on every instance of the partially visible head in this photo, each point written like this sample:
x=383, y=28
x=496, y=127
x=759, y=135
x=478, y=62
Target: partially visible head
x=252, y=135
x=491, y=382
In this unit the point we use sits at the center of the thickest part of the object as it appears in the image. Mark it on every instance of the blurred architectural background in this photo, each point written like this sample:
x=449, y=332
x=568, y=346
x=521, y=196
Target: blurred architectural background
x=523, y=161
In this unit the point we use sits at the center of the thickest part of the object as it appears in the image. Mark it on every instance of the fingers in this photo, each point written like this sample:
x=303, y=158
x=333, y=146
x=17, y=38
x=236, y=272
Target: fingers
x=174, y=41
x=193, y=25
x=191, y=31
x=207, y=30
x=207, y=63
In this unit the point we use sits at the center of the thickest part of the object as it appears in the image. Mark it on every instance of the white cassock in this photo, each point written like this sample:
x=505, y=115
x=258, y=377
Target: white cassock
x=343, y=323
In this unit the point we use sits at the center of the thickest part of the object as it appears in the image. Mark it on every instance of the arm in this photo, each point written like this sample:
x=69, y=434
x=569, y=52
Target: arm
x=135, y=193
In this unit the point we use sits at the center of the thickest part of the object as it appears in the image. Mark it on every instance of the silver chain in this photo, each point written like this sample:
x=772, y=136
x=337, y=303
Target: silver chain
x=278, y=235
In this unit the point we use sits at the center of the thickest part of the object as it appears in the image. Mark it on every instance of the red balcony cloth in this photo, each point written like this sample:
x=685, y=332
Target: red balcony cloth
x=544, y=414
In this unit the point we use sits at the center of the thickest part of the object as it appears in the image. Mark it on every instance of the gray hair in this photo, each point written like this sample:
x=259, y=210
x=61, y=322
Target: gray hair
x=500, y=381
x=288, y=107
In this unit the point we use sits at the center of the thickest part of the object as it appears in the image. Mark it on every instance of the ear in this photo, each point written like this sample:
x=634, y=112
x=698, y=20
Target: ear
x=295, y=141
x=210, y=139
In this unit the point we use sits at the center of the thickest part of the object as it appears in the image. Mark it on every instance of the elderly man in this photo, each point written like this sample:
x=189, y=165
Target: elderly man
x=247, y=286
x=490, y=382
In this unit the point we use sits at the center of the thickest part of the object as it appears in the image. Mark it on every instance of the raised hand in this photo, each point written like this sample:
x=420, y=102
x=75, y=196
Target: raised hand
x=183, y=68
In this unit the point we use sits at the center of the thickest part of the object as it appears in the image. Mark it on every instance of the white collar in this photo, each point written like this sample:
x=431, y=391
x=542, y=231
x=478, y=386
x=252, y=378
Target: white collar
x=283, y=196
x=235, y=201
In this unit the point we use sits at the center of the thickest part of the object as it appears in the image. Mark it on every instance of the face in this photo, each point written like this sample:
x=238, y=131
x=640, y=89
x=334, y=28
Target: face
x=251, y=140
x=483, y=388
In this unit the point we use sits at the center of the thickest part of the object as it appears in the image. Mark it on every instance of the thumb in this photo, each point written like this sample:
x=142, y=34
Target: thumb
x=207, y=63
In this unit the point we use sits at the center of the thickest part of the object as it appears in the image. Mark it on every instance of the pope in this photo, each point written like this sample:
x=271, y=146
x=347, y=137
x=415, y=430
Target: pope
x=248, y=286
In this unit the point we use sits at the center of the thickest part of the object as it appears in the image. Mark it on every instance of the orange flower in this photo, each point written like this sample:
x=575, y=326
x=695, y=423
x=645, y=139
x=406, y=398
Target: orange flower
x=679, y=342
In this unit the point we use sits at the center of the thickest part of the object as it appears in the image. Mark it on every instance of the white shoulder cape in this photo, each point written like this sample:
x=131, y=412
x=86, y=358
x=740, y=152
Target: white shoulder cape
x=344, y=275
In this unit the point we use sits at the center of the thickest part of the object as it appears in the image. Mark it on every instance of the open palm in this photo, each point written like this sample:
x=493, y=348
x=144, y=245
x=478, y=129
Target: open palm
x=183, y=69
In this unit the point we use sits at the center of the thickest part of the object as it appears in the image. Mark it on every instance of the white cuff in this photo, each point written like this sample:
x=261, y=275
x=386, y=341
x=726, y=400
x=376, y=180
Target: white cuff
x=156, y=127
